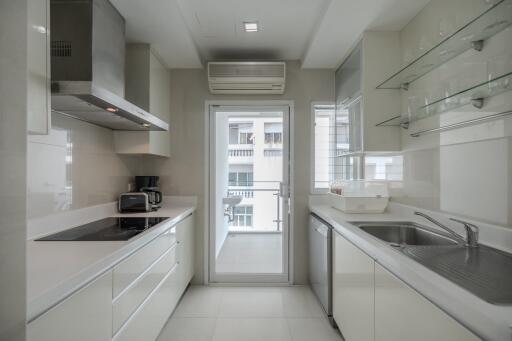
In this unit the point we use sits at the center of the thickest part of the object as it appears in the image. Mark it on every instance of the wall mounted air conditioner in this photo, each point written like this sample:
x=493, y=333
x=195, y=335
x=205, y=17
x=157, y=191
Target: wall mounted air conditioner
x=246, y=78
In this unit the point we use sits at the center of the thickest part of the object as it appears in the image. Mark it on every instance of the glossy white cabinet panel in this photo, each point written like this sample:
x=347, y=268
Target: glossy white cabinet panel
x=128, y=302
x=150, y=301
x=148, y=85
x=84, y=316
x=132, y=267
x=353, y=291
x=185, y=255
x=38, y=99
x=149, y=319
x=403, y=314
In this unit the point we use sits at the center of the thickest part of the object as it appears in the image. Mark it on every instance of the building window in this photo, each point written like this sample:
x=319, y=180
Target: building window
x=273, y=133
x=242, y=179
x=273, y=138
x=241, y=133
x=242, y=216
x=323, y=148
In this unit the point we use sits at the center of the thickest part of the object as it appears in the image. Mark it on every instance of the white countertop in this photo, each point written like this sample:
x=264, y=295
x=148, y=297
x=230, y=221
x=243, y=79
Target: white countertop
x=490, y=322
x=56, y=269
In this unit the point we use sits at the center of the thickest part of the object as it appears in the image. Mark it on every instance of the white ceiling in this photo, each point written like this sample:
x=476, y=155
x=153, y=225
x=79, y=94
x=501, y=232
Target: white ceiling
x=186, y=33
x=346, y=20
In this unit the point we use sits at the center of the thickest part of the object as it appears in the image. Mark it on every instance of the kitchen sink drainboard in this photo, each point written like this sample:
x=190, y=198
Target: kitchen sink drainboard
x=483, y=271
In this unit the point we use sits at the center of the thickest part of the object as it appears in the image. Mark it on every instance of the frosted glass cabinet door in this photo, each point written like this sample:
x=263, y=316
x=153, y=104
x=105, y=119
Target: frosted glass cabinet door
x=347, y=84
x=84, y=316
x=353, y=291
x=38, y=101
x=403, y=314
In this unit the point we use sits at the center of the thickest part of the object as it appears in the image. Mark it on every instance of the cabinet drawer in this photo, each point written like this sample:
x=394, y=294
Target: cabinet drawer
x=130, y=300
x=84, y=316
x=148, y=320
x=132, y=267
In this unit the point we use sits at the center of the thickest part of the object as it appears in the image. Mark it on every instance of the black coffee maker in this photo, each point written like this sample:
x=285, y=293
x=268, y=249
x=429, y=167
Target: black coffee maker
x=149, y=185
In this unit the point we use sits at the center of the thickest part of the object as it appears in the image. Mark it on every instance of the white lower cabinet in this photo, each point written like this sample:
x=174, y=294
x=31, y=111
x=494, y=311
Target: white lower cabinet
x=136, y=320
x=403, y=314
x=151, y=316
x=84, y=316
x=133, y=301
x=353, y=287
x=185, y=251
x=371, y=304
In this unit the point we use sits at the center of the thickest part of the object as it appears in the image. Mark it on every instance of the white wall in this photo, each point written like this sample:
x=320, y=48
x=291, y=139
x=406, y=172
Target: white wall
x=221, y=179
x=466, y=171
x=183, y=173
x=13, y=151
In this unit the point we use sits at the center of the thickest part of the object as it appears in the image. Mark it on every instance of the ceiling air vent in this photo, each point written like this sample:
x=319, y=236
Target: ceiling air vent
x=250, y=78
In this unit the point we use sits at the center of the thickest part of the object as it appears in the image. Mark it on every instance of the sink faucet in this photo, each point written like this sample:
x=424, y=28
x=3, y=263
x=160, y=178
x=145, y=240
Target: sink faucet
x=471, y=230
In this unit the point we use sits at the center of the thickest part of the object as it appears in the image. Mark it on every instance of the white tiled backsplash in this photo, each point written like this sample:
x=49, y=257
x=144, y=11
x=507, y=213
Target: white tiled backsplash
x=74, y=167
x=467, y=171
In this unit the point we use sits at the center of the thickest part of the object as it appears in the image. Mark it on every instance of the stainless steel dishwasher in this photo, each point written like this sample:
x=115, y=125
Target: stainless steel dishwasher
x=320, y=262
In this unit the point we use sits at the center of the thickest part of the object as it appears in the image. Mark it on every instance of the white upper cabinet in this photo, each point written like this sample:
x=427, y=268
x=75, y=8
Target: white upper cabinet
x=38, y=49
x=148, y=85
x=359, y=105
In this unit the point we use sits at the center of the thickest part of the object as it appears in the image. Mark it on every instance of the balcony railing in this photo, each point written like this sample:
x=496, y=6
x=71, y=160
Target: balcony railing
x=249, y=193
x=240, y=152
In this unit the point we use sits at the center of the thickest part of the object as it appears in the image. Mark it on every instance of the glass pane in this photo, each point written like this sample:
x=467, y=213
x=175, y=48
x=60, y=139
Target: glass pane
x=256, y=180
x=233, y=134
x=355, y=127
x=232, y=179
x=242, y=179
x=268, y=138
x=324, y=143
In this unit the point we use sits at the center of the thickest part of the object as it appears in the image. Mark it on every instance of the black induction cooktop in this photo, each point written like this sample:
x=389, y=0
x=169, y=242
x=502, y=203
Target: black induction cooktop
x=108, y=229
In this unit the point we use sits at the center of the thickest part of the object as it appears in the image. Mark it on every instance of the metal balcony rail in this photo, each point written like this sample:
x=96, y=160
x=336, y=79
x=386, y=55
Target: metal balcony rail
x=248, y=193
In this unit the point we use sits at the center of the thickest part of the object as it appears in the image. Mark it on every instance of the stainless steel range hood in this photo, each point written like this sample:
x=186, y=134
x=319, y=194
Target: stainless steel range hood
x=87, y=60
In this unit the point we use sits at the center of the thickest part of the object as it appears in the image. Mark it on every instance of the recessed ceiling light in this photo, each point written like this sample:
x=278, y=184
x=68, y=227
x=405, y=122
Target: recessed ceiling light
x=251, y=26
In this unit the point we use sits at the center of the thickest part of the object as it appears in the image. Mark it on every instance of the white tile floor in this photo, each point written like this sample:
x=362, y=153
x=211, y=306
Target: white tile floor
x=248, y=314
x=251, y=253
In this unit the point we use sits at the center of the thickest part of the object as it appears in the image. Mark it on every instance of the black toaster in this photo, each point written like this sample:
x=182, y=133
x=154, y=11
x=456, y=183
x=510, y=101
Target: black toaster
x=134, y=202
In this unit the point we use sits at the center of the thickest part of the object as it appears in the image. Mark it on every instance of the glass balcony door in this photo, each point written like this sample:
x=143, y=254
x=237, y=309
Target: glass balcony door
x=249, y=199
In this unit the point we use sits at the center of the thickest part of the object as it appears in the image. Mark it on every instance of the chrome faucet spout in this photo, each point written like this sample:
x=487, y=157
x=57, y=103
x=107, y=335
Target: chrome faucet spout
x=472, y=232
x=454, y=234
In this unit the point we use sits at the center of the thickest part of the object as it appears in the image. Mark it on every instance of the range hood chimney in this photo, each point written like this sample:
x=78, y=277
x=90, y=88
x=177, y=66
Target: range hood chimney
x=87, y=61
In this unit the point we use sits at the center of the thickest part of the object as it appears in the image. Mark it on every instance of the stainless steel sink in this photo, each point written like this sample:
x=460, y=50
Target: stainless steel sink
x=405, y=233
x=484, y=271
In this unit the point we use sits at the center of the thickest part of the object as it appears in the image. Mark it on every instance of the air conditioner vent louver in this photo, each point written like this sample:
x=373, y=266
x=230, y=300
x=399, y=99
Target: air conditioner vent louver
x=246, y=77
x=230, y=70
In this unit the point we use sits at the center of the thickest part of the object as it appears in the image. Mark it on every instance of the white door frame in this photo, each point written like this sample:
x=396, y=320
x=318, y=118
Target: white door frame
x=207, y=176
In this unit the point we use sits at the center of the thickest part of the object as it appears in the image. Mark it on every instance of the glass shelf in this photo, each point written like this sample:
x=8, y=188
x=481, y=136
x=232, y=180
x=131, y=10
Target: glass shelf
x=396, y=121
x=493, y=20
x=475, y=95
